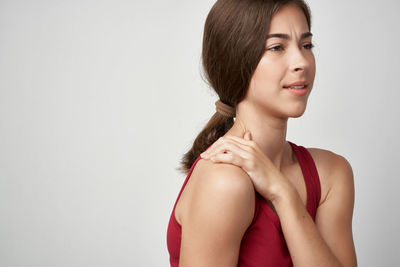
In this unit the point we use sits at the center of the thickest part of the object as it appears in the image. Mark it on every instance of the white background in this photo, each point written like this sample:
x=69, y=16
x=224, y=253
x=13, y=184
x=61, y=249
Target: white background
x=100, y=99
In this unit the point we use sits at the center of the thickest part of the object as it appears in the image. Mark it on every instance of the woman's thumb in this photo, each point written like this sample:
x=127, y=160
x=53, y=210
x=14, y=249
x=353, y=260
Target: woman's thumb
x=247, y=135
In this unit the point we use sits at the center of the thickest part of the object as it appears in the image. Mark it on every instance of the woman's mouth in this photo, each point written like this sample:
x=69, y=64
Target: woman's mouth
x=298, y=90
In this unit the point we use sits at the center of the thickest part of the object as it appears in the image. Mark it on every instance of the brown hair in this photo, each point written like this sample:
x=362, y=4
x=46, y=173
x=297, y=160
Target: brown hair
x=234, y=39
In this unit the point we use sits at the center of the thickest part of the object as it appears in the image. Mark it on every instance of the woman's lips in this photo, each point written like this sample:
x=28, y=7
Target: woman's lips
x=298, y=83
x=297, y=92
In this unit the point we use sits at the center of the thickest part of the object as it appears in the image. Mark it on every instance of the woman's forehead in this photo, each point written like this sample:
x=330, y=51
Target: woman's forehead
x=287, y=19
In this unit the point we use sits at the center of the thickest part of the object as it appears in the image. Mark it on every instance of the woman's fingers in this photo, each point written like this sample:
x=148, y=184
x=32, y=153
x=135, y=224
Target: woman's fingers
x=230, y=158
x=214, y=147
x=225, y=138
x=225, y=146
x=247, y=136
x=234, y=155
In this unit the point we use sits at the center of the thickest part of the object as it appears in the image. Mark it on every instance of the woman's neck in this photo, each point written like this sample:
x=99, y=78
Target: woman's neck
x=268, y=132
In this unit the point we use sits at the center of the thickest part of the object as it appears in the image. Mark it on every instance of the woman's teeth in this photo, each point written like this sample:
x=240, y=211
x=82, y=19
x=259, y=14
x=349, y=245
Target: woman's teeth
x=296, y=87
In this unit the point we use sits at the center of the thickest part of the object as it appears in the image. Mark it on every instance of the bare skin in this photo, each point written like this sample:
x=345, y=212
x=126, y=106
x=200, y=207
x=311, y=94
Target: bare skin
x=218, y=200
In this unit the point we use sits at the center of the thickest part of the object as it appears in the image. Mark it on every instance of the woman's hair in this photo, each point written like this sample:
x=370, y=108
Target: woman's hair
x=234, y=39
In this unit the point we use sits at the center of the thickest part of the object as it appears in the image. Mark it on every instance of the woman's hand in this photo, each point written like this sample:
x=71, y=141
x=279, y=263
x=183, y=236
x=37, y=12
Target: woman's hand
x=245, y=153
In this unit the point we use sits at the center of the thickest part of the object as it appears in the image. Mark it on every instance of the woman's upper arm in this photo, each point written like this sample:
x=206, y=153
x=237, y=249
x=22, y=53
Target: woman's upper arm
x=334, y=215
x=220, y=210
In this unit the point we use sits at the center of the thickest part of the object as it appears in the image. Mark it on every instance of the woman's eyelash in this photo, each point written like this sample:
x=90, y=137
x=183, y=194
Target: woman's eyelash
x=310, y=46
x=275, y=47
x=279, y=47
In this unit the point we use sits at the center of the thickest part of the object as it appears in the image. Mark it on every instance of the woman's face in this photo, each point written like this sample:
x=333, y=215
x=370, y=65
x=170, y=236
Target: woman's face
x=288, y=59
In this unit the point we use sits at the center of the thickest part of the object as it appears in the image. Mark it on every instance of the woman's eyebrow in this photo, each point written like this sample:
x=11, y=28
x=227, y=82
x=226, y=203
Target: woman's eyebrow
x=287, y=37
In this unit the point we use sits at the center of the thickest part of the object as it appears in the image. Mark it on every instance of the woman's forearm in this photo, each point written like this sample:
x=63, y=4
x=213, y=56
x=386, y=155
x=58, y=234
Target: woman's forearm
x=306, y=246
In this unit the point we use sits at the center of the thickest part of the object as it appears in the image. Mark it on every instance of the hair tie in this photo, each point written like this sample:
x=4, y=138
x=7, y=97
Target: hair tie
x=225, y=109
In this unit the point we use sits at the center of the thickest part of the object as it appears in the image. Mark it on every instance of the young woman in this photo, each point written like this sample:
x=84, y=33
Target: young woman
x=253, y=198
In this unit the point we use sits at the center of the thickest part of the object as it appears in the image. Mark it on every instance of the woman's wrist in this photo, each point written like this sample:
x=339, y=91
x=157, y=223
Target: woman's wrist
x=286, y=194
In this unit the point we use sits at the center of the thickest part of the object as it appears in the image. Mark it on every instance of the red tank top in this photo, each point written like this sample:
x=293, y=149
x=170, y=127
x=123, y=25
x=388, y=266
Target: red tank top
x=263, y=243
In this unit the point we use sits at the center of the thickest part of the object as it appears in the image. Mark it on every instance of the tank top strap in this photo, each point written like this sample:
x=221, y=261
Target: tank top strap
x=311, y=177
x=186, y=180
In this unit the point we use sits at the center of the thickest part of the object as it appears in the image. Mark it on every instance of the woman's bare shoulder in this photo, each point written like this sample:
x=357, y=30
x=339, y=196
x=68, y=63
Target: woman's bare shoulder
x=220, y=209
x=228, y=176
x=222, y=185
x=328, y=161
x=332, y=169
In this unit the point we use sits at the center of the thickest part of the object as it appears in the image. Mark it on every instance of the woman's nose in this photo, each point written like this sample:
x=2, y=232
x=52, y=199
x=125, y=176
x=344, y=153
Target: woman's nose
x=299, y=61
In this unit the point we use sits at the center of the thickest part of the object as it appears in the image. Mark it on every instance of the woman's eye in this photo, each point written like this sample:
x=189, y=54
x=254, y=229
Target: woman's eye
x=276, y=48
x=308, y=46
x=280, y=47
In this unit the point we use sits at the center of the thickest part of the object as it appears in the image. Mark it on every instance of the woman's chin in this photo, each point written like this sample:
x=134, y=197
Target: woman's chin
x=297, y=112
